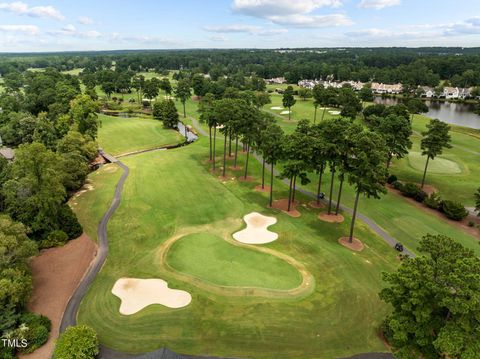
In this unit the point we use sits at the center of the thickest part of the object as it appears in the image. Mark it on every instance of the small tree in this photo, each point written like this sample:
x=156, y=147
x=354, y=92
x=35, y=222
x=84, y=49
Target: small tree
x=416, y=106
x=166, y=86
x=434, y=140
x=304, y=93
x=397, y=131
x=367, y=171
x=78, y=342
x=272, y=149
x=366, y=94
x=183, y=93
x=166, y=112
x=435, y=302
x=289, y=100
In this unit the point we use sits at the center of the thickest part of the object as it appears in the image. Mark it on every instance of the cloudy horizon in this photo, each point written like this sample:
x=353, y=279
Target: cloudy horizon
x=44, y=26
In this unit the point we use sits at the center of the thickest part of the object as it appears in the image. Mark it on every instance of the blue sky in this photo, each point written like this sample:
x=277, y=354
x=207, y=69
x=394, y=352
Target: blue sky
x=53, y=25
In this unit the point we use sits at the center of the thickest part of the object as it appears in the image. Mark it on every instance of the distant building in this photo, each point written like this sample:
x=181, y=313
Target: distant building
x=456, y=93
x=276, y=81
x=7, y=153
x=428, y=92
x=381, y=89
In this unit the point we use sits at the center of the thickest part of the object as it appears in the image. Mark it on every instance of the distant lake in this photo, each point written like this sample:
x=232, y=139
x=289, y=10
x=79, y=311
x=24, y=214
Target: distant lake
x=455, y=113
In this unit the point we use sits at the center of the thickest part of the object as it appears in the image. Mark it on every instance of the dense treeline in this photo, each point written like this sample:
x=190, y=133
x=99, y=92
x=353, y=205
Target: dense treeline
x=422, y=66
x=52, y=127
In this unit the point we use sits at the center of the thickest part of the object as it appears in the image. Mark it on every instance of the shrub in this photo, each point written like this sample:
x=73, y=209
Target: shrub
x=433, y=201
x=55, y=238
x=77, y=342
x=471, y=224
x=420, y=196
x=398, y=185
x=69, y=223
x=454, y=210
x=392, y=179
x=34, y=328
x=410, y=190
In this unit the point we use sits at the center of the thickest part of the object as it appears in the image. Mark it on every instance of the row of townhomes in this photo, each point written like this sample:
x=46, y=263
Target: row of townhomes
x=449, y=93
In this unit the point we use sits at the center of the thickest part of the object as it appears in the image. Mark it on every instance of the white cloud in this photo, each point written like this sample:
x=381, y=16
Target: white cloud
x=218, y=38
x=71, y=30
x=296, y=13
x=312, y=20
x=20, y=29
x=267, y=8
x=378, y=4
x=247, y=29
x=85, y=20
x=20, y=8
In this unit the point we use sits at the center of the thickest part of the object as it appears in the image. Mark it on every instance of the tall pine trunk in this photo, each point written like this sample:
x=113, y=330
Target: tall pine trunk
x=214, y=144
x=331, y=192
x=210, y=140
x=290, y=194
x=294, y=187
x=263, y=173
x=236, y=151
x=230, y=144
x=337, y=209
x=246, y=161
x=184, y=110
x=323, y=114
x=354, y=216
x=425, y=171
x=271, y=184
x=319, y=184
x=315, y=115
x=225, y=154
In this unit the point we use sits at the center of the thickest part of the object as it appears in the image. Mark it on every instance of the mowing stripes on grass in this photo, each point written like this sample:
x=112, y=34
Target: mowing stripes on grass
x=438, y=165
x=214, y=260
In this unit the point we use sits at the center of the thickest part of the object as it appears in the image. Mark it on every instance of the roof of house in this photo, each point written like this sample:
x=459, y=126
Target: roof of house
x=8, y=153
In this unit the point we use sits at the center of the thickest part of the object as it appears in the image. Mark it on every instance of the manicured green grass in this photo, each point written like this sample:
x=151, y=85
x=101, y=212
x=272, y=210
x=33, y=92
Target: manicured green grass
x=465, y=153
x=211, y=258
x=74, y=72
x=438, y=165
x=172, y=192
x=119, y=135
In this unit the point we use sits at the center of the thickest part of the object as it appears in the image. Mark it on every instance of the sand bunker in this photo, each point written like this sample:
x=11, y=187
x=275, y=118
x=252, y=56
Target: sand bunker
x=256, y=231
x=284, y=112
x=137, y=294
x=276, y=108
x=334, y=112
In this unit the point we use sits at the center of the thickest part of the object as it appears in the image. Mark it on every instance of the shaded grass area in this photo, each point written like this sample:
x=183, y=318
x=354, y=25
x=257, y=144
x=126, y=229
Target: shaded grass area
x=120, y=135
x=172, y=190
x=211, y=258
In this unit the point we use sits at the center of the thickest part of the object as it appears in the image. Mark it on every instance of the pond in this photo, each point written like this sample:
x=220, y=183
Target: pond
x=460, y=114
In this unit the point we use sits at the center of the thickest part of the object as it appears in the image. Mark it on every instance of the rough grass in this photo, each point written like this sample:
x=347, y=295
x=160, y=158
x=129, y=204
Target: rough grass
x=120, y=135
x=170, y=191
x=211, y=258
x=438, y=165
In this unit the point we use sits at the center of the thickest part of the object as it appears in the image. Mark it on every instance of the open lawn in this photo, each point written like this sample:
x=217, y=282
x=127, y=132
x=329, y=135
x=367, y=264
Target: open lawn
x=202, y=254
x=171, y=194
x=439, y=165
x=119, y=135
x=74, y=72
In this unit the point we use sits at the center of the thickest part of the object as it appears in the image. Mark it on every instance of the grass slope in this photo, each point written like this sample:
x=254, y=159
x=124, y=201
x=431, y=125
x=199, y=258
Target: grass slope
x=213, y=259
x=172, y=191
x=120, y=135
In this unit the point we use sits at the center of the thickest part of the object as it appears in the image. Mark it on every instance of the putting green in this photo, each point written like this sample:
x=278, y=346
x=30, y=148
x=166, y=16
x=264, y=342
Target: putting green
x=210, y=258
x=439, y=165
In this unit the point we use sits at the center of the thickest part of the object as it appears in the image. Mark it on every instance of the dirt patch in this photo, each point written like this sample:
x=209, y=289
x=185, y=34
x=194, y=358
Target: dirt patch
x=282, y=204
x=428, y=189
x=356, y=244
x=259, y=188
x=331, y=218
x=235, y=168
x=56, y=274
x=316, y=205
x=248, y=179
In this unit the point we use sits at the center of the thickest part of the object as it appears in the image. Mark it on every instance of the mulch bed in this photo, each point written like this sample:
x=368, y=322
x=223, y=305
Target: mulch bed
x=56, y=274
x=331, y=218
x=316, y=205
x=235, y=168
x=282, y=204
x=259, y=188
x=356, y=244
x=243, y=179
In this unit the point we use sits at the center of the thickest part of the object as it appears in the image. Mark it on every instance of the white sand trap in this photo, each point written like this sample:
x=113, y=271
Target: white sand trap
x=276, y=108
x=284, y=112
x=256, y=231
x=334, y=112
x=137, y=294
